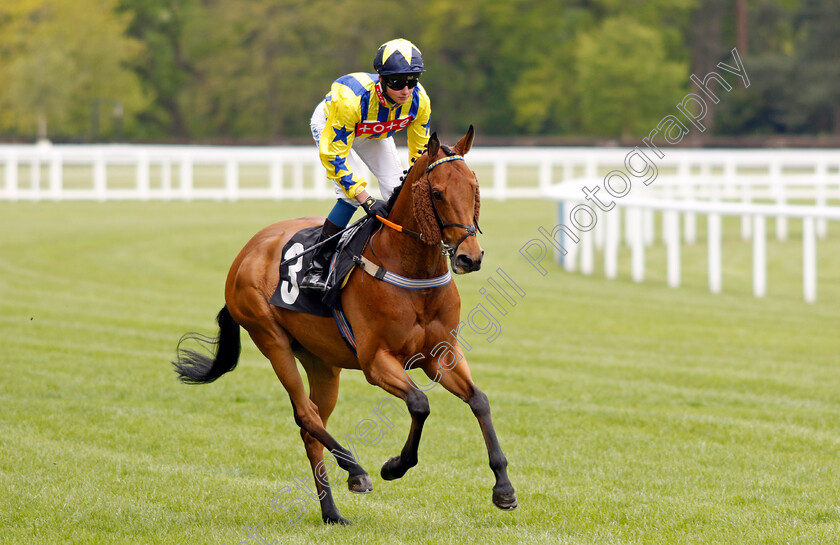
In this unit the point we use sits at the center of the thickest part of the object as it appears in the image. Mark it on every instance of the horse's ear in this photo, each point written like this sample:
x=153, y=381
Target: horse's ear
x=433, y=146
x=465, y=143
x=423, y=213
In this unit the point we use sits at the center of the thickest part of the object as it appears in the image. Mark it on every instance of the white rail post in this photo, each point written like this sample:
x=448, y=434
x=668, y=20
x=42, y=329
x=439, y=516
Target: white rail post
x=759, y=256
x=781, y=198
x=166, y=178
x=587, y=252
x=611, y=241
x=545, y=173
x=186, y=177
x=275, y=177
x=821, y=199
x=591, y=173
x=322, y=184
x=231, y=179
x=628, y=228
x=746, y=199
x=56, y=176
x=714, y=235
x=35, y=176
x=637, y=243
x=568, y=170
x=667, y=194
x=809, y=260
x=650, y=226
x=100, y=177
x=500, y=179
x=11, y=176
x=569, y=260
x=142, y=175
x=687, y=186
x=601, y=234
x=672, y=231
x=297, y=180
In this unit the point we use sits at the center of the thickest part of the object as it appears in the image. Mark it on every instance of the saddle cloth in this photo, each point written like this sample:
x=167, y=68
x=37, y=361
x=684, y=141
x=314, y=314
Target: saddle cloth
x=288, y=295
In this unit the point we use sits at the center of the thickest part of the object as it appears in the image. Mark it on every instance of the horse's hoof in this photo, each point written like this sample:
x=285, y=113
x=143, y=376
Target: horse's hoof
x=505, y=502
x=388, y=471
x=360, y=484
x=338, y=519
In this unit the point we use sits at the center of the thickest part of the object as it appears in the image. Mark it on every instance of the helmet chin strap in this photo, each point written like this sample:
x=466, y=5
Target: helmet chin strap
x=383, y=90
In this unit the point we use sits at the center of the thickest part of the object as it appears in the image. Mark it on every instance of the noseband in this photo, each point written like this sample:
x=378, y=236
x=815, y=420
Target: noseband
x=446, y=249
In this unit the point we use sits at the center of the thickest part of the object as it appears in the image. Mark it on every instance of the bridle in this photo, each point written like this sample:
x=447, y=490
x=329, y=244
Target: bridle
x=470, y=230
x=446, y=249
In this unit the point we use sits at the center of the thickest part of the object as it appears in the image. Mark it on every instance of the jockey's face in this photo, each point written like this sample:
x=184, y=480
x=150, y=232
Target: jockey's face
x=399, y=96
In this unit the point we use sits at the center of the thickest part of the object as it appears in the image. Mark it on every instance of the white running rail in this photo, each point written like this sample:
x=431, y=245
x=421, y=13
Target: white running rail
x=683, y=199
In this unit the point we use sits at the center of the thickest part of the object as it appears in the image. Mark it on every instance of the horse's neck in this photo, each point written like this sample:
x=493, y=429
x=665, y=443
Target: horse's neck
x=413, y=257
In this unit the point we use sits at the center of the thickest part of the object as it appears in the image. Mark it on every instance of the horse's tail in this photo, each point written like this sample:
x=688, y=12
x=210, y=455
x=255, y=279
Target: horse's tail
x=196, y=368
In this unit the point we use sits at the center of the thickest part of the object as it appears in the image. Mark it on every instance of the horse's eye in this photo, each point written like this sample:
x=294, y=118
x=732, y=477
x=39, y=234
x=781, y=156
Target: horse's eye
x=437, y=195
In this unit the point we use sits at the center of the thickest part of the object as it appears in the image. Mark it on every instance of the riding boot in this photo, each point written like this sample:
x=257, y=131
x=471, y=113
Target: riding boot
x=315, y=278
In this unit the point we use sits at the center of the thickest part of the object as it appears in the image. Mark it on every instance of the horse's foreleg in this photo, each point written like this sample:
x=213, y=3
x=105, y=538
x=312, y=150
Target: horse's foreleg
x=504, y=496
x=418, y=408
x=459, y=382
x=387, y=373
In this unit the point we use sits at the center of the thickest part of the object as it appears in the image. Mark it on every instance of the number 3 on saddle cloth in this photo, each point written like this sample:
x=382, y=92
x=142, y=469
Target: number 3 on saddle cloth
x=288, y=295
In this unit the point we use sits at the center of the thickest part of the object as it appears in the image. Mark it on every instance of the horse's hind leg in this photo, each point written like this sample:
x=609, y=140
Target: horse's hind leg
x=275, y=345
x=459, y=382
x=323, y=391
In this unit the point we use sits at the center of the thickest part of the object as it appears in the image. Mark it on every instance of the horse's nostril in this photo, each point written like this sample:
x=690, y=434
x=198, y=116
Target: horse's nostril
x=467, y=263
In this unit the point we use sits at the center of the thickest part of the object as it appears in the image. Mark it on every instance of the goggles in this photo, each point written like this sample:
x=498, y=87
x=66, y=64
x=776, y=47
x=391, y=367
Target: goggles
x=400, y=82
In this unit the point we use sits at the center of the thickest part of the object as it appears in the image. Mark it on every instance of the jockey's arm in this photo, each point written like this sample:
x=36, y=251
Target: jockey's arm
x=334, y=148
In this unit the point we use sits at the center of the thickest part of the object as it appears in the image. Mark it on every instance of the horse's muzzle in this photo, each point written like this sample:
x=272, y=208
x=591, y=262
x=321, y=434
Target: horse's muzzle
x=465, y=264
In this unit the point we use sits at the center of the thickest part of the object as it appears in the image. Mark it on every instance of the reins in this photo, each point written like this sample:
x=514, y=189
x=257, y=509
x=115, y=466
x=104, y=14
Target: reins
x=446, y=249
x=326, y=240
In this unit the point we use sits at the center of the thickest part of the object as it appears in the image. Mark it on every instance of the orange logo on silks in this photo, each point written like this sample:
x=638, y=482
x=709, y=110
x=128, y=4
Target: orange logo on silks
x=381, y=127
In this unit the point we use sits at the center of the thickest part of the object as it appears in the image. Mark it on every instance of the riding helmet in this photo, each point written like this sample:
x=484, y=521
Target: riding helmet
x=398, y=57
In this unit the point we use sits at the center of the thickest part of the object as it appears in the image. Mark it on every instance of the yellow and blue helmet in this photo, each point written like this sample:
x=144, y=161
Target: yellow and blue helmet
x=398, y=57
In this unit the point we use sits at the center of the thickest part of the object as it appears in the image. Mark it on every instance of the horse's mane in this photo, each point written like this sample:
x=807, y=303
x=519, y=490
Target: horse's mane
x=395, y=195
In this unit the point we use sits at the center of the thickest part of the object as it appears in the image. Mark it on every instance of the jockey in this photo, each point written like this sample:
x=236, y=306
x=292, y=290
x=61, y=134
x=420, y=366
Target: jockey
x=357, y=120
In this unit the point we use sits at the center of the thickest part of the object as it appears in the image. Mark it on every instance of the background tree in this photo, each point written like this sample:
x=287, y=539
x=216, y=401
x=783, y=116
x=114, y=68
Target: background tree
x=163, y=65
x=253, y=70
x=815, y=106
x=59, y=57
x=624, y=80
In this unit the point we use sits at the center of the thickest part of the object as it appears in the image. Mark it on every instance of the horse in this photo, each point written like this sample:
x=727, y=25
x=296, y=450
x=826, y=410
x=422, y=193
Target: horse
x=439, y=203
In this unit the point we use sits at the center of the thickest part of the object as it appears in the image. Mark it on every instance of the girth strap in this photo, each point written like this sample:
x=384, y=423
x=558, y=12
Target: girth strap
x=392, y=278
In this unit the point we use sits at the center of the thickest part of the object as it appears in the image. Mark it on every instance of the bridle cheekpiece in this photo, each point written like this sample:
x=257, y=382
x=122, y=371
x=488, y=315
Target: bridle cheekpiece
x=446, y=249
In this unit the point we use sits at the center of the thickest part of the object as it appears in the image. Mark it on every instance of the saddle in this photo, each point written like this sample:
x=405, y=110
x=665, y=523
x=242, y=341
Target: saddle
x=350, y=246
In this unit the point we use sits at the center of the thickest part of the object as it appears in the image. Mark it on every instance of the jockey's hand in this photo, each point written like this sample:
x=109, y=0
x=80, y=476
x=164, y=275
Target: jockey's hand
x=374, y=207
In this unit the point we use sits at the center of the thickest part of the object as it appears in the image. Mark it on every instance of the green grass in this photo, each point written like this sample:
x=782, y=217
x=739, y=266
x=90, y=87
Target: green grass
x=629, y=413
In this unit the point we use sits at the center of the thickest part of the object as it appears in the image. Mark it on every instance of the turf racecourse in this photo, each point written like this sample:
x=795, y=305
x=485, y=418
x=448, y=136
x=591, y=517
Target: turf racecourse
x=629, y=413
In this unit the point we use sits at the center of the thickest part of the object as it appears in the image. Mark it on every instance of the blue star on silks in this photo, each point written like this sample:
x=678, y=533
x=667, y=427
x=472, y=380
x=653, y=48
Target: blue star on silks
x=338, y=163
x=426, y=125
x=346, y=181
x=342, y=134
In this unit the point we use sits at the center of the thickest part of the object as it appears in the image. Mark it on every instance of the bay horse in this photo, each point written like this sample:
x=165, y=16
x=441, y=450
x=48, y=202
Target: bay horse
x=439, y=199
